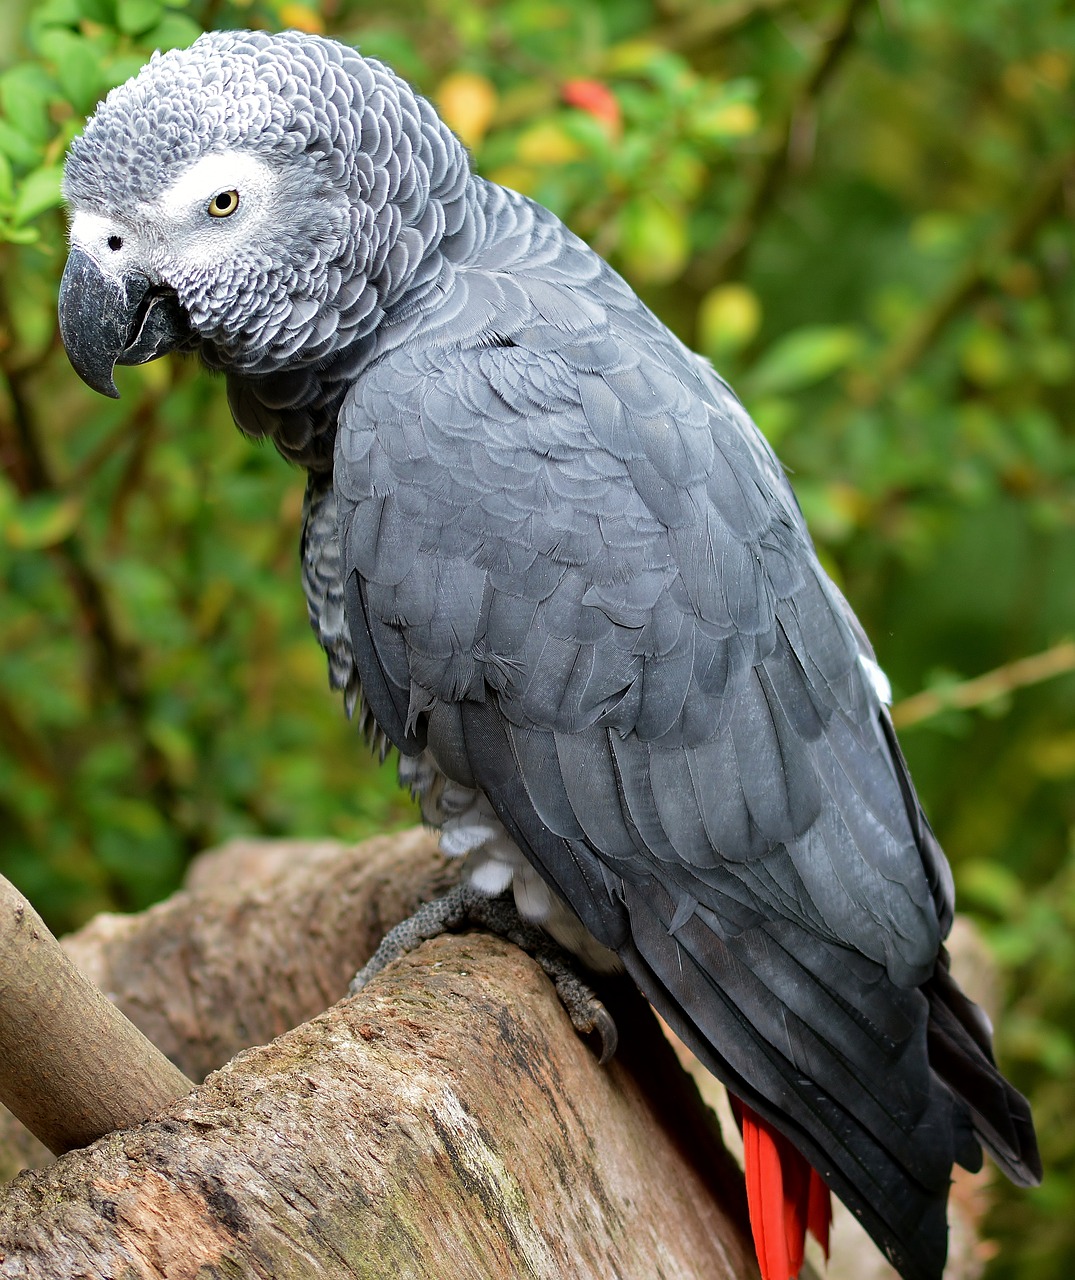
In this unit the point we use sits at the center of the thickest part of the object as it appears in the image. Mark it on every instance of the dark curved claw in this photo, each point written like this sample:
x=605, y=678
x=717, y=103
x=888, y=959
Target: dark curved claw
x=463, y=905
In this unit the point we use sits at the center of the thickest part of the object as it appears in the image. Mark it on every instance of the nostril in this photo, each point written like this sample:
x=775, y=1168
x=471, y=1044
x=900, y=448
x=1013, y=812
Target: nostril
x=114, y=243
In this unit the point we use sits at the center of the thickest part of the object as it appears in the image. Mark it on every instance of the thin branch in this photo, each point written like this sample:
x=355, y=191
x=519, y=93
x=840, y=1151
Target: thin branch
x=983, y=689
x=1043, y=197
x=127, y=433
x=23, y=746
x=704, y=24
x=727, y=259
x=72, y=1067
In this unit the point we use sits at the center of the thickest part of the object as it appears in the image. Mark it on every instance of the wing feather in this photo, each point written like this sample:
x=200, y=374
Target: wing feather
x=560, y=527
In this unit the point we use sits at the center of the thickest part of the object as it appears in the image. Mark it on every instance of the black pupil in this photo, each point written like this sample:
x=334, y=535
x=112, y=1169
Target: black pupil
x=223, y=201
x=114, y=243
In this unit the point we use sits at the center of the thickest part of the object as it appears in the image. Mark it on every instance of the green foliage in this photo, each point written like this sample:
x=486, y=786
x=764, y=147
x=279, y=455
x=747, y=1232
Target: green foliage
x=869, y=235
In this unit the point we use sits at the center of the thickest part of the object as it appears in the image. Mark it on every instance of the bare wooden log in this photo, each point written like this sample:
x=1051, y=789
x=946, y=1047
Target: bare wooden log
x=266, y=935
x=446, y=1123
x=72, y=1067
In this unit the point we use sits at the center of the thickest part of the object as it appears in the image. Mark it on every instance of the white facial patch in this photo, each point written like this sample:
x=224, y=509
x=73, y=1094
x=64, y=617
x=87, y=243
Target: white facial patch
x=208, y=177
x=88, y=229
x=101, y=238
x=177, y=228
x=182, y=211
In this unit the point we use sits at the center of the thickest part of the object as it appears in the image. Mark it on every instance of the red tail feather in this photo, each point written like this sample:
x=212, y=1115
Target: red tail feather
x=785, y=1196
x=819, y=1211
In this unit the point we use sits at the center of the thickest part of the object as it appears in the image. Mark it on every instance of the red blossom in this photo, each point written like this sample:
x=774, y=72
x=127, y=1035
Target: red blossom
x=596, y=99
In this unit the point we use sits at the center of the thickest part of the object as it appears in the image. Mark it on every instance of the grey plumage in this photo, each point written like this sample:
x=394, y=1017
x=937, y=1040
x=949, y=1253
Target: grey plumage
x=547, y=551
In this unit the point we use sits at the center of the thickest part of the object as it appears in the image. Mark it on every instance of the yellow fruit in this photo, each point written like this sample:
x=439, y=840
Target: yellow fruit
x=728, y=317
x=299, y=17
x=468, y=103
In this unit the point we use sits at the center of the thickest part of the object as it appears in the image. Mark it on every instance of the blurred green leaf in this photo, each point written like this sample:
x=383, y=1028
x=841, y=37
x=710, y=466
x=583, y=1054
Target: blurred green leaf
x=991, y=887
x=723, y=118
x=47, y=13
x=986, y=358
x=40, y=522
x=7, y=183
x=17, y=147
x=99, y=11
x=25, y=92
x=653, y=241
x=39, y=191
x=133, y=17
x=802, y=358
x=77, y=64
x=174, y=31
x=728, y=318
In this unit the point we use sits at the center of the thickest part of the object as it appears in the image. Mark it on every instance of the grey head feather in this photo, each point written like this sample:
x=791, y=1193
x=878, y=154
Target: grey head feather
x=369, y=183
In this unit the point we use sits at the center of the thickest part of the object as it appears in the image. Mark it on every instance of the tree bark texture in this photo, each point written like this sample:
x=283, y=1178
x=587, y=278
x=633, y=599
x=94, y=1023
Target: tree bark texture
x=61, y=1042
x=447, y=1122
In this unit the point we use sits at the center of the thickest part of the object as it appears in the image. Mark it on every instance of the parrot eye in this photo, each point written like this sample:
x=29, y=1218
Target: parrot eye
x=224, y=204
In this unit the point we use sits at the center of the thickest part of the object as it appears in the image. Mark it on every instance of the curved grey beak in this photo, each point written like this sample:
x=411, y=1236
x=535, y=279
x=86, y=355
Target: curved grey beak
x=105, y=321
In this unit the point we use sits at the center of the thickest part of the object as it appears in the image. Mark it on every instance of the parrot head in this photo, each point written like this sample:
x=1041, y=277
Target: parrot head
x=258, y=199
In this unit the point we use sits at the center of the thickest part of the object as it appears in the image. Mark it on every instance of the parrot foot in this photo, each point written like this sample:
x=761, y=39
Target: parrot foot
x=464, y=906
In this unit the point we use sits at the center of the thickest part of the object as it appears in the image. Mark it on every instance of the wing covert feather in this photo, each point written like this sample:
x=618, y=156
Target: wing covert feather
x=568, y=533
x=591, y=531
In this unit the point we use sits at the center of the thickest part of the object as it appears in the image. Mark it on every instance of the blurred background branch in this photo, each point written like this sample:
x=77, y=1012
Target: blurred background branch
x=1048, y=191
x=789, y=147
x=116, y=672
x=697, y=24
x=989, y=688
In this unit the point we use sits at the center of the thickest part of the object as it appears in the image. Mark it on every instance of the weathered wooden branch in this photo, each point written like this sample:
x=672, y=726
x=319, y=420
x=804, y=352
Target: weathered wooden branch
x=447, y=1122
x=266, y=935
x=72, y=1067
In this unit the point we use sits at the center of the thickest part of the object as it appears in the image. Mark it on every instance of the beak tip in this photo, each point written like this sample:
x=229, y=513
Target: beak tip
x=98, y=379
x=96, y=314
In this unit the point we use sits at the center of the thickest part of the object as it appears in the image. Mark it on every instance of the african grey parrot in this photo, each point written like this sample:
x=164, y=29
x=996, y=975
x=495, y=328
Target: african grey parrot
x=554, y=563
